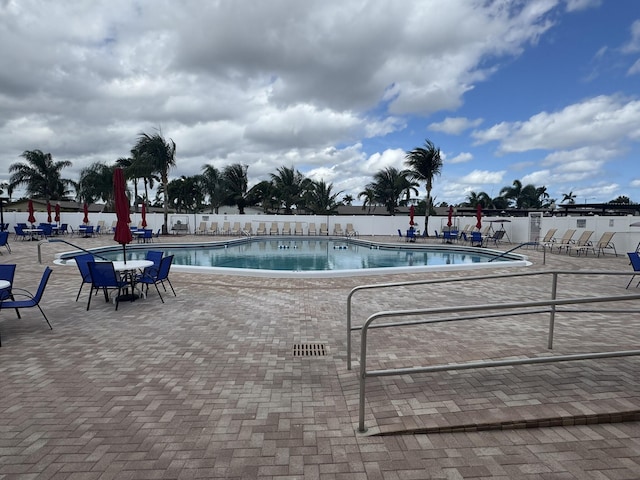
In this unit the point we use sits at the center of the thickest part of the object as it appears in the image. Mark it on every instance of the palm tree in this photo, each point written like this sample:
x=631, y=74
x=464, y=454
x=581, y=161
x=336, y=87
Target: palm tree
x=513, y=193
x=96, y=183
x=320, y=199
x=369, y=196
x=425, y=163
x=41, y=175
x=213, y=184
x=235, y=181
x=389, y=186
x=347, y=199
x=5, y=186
x=290, y=185
x=570, y=198
x=482, y=198
x=264, y=194
x=160, y=156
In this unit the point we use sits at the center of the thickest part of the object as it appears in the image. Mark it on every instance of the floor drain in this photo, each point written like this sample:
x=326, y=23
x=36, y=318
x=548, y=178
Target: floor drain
x=309, y=350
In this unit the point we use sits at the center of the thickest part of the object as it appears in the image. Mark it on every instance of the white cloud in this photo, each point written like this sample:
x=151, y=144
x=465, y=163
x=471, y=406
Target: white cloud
x=574, y=5
x=480, y=177
x=463, y=157
x=454, y=125
x=595, y=121
x=633, y=45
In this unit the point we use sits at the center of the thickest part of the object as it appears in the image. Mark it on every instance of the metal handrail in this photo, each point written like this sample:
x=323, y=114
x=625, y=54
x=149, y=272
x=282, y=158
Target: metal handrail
x=60, y=240
x=540, y=306
x=554, y=286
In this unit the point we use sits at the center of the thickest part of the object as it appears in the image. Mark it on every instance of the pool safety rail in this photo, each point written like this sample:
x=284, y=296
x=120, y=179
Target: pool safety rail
x=551, y=306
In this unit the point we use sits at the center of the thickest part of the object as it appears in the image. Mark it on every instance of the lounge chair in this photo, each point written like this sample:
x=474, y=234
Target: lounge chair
x=323, y=229
x=274, y=229
x=213, y=228
x=298, y=229
x=350, y=231
x=635, y=263
x=235, y=230
x=262, y=229
x=605, y=243
x=202, y=228
x=248, y=229
x=226, y=228
x=312, y=229
x=548, y=237
x=564, y=242
x=286, y=228
x=337, y=230
x=583, y=244
x=496, y=237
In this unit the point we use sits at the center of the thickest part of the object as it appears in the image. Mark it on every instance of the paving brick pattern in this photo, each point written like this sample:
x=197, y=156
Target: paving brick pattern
x=207, y=385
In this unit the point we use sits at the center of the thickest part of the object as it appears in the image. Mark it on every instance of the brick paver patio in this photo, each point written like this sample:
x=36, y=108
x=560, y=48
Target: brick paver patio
x=207, y=384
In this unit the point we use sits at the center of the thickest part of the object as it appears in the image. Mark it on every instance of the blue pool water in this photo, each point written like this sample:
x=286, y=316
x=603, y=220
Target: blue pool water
x=314, y=256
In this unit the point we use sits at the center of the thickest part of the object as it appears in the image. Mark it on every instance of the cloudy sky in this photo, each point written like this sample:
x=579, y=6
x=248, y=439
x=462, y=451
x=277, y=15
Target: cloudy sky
x=543, y=91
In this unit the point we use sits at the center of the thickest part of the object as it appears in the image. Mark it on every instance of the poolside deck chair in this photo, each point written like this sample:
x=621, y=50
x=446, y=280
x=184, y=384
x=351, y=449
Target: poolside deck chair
x=104, y=277
x=213, y=228
x=202, y=228
x=605, y=243
x=226, y=228
x=337, y=230
x=274, y=229
x=635, y=263
x=101, y=228
x=82, y=264
x=160, y=275
x=350, y=231
x=33, y=300
x=496, y=237
x=323, y=229
x=262, y=229
x=583, y=244
x=548, y=237
x=235, y=230
x=564, y=242
x=286, y=228
x=312, y=229
x=298, y=229
x=477, y=240
x=248, y=229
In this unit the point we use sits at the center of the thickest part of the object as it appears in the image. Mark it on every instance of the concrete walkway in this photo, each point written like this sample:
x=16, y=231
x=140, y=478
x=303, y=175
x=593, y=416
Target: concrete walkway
x=207, y=385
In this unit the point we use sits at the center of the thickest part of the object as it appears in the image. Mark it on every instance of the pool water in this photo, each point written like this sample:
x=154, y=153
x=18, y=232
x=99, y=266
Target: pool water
x=314, y=255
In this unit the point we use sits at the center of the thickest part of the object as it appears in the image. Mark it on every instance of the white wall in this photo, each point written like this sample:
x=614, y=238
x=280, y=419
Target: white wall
x=626, y=238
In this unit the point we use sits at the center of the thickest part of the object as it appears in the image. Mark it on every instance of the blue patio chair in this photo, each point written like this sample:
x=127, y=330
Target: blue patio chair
x=20, y=232
x=148, y=235
x=46, y=228
x=82, y=262
x=161, y=276
x=63, y=230
x=7, y=272
x=476, y=239
x=156, y=257
x=635, y=263
x=32, y=300
x=411, y=235
x=4, y=240
x=105, y=278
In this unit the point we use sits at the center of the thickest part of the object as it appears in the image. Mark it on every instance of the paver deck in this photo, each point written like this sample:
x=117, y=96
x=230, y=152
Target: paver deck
x=207, y=385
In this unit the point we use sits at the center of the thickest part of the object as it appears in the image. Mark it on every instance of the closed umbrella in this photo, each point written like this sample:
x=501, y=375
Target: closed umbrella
x=412, y=212
x=449, y=222
x=85, y=220
x=48, y=212
x=479, y=217
x=144, y=216
x=57, y=217
x=122, y=234
x=32, y=218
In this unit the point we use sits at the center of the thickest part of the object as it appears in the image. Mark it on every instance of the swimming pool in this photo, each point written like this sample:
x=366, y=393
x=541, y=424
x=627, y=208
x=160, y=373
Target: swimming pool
x=314, y=257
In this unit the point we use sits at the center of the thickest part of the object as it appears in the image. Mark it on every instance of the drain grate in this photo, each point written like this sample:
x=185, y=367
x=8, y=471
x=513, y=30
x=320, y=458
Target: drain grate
x=309, y=350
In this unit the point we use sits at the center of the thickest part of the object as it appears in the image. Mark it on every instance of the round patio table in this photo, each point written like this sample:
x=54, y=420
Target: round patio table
x=129, y=269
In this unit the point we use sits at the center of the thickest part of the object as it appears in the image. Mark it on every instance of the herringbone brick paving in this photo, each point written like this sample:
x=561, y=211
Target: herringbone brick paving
x=207, y=386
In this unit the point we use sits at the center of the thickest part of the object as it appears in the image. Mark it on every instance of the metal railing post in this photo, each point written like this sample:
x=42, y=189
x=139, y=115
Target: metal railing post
x=552, y=313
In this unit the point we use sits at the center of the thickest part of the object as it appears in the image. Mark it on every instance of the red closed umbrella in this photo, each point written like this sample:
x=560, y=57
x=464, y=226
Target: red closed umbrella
x=57, y=217
x=32, y=218
x=85, y=220
x=479, y=216
x=48, y=212
x=144, y=216
x=449, y=222
x=412, y=212
x=122, y=234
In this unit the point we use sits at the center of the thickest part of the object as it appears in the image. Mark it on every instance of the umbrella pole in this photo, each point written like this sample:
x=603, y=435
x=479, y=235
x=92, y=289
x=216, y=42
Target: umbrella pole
x=124, y=251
